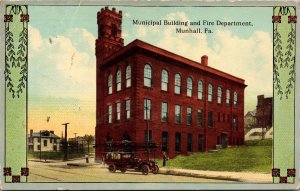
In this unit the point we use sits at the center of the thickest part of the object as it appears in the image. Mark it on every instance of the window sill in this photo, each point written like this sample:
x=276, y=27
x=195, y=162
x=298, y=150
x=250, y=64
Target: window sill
x=147, y=87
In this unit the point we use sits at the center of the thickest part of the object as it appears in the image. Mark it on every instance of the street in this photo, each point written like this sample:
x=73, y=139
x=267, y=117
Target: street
x=61, y=172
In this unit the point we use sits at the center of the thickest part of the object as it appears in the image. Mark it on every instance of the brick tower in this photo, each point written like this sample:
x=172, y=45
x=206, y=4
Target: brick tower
x=109, y=41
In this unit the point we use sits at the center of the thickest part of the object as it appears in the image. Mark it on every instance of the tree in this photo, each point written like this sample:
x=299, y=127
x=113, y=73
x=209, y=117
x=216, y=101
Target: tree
x=88, y=139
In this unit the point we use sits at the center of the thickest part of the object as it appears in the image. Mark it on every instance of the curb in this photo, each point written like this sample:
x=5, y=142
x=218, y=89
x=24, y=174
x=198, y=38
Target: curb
x=196, y=175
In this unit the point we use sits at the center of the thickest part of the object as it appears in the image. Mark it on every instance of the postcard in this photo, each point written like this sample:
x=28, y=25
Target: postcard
x=99, y=95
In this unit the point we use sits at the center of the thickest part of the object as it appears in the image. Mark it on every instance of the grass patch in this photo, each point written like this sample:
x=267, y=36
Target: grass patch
x=264, y=142
x=239, y=159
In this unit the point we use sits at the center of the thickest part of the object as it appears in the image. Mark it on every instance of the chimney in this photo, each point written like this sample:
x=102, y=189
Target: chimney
x=52, y=132
x=204, y=60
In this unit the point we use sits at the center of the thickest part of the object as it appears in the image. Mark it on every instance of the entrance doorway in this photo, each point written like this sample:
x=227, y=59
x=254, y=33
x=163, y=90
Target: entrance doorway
x=224, y=140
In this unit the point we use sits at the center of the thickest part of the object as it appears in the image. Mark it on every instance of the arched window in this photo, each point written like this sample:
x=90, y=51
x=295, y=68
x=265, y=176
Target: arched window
x=227, y=97
x=177, y=83
x=200, y=89
x=164, y=80
x=128, y=76
x=189, y=87
x=147, y=75
x=235, y=98
x=109, y=84
x=210, y=93
x=118, y=80
x=219, y=94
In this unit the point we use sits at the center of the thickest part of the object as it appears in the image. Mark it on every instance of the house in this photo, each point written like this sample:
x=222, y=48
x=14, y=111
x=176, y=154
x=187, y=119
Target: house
x=250, y=119
x=50, y=141
x=145, y=93
x=264, y=111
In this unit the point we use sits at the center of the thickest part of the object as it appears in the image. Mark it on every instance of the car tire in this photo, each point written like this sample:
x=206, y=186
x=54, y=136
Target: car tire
x=145, y=169
x=123, y=170
x=155, y=169
x=112, y=168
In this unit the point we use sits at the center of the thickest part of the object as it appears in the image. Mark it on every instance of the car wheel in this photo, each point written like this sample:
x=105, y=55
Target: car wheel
x=112, y=168
x=145, y=169
x=123, y=170
x=155, y=169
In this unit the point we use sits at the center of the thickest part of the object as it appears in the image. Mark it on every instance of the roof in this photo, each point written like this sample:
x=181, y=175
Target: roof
x=159, y=51
x=51, y=135
x=252, y=113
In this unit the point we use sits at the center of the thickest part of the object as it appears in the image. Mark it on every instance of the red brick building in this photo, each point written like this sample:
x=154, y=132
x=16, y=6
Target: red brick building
x=187, y=105
x=264, y=111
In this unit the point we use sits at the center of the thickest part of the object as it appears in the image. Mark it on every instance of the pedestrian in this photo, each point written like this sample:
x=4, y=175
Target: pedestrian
x=87, y=158
x=165, y=158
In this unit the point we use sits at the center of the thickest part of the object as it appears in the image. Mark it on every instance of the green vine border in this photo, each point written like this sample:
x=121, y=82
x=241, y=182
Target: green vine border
x=15, y=60
x=287, y=63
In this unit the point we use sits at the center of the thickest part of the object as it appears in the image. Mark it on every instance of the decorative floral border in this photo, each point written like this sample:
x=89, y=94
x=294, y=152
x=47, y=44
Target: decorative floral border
x=284, y=58
x=16, y=59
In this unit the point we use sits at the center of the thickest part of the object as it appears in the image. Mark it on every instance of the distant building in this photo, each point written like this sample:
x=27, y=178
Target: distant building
x=250, y=119
x=50, y=141
x=264, y=111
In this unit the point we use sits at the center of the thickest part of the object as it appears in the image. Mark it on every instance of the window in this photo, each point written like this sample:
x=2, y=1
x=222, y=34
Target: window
x=177, y=114
x=223, y=117
x=39, y=140
x=210, y=93
x=228, y=118
x=200, y=117
x=210, y=119
x=219, y=116
x=118, y=111
x=227, y=97
x=235, y=98
x=164, y=112
x=189, y=87
x=190, y=143
x=164, y=80
x=147, y=109
x=128, y=76
x=200, y=89
x=219, y=94
x=147, y=75
x=177, y=142
x=189, y=115
x=127, y=103
x=177, y=84
x=109, y=112
x=165, y=141
x=45, y=143
x=118, y=80
x=51, y=140
x=55, y=140
x=148, y=136
x=39, y=147
x=109, y=84
x=200, y=143
x=235, y=123
x=54, y=147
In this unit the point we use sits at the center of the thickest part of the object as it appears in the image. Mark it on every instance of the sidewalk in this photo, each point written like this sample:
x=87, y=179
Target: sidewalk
x=220, y=175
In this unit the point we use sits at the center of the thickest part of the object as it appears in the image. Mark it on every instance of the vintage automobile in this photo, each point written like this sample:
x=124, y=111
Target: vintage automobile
x=127, y=160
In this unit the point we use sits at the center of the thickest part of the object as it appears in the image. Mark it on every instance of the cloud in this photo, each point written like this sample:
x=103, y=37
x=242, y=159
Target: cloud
x=62, y=65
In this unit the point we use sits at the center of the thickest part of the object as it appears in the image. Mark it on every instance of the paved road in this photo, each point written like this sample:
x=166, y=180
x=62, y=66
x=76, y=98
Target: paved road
x=61, y=172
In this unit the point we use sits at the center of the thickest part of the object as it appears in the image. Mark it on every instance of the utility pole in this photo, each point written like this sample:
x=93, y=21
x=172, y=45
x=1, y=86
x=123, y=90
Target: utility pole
x=40, y=145
x=147, y=125
x=65, y=144
x=76, y=142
